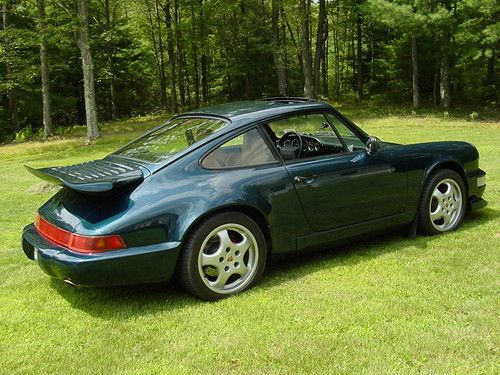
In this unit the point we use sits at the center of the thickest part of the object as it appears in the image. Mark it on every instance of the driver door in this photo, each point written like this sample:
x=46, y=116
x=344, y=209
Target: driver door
x=349, y=186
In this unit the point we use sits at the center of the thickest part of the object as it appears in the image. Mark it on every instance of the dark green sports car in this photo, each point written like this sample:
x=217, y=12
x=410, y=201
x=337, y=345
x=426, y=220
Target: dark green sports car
x=211, y=194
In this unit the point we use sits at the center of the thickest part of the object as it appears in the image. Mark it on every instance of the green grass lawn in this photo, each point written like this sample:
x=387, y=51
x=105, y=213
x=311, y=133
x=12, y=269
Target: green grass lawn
x=389, y=305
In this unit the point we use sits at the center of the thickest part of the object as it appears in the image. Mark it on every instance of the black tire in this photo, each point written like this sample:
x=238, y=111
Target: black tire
x=195, y=278
x=430, y=204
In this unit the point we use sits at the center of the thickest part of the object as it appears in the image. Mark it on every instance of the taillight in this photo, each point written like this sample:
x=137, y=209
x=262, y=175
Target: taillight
x=78, y=242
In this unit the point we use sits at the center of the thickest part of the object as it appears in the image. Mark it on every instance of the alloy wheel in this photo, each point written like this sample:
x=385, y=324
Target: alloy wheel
x=445, y=206
x=228, y=258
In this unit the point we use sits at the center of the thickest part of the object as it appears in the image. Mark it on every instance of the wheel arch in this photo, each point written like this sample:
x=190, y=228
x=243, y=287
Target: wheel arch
x=447, y=164
x=424, y=223
x=254, y=213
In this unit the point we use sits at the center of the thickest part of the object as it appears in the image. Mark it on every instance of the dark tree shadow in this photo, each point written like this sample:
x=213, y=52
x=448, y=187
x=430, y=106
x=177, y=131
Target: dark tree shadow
x=128, y=302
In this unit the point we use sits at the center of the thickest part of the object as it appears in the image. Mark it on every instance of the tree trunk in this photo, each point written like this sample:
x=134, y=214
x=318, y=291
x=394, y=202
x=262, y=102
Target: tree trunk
x=336, y=54
x=158, y=57
x=163, y=76
x=186, y=77
x=11, y=92
x=14, y=112
x=283, y=41
x=372, y=57
x=180, y=53
x=277, y=53
x=490, y=71
x=194, y=48
x=306, y=49
x=414, y=62
x=44, y=70
x=321, y=37
x=204, y=77
x=435, y=87
x=244, y=41
x=196, y=77
x=112, y=95
x=88, y=71
x=171, y=56
x=353, y=62
x=204, y=58
x=444, y=81
x=294, y=42
x=248, y=85
x=346, y=59
x=110, y=55
x=324, y=70
x=444, y=70
x=359, y=57
x=490, y=77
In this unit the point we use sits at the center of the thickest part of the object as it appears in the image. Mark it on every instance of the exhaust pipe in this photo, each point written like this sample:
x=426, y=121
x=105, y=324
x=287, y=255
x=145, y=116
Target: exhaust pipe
x=69, y=282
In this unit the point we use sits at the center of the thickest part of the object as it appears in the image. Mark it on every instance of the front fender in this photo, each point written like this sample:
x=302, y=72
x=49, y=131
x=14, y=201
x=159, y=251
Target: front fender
x=443, y=162
x=425, y=158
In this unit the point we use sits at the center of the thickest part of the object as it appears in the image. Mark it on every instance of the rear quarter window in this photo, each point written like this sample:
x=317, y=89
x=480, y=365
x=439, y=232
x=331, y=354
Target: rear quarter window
x=244, y=150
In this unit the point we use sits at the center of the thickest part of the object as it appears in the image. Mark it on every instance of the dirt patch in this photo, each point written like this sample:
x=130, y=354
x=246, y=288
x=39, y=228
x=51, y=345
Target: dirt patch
x=43, y=188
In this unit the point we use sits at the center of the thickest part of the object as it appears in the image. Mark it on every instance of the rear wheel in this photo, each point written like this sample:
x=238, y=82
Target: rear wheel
x=443, y=202
x=223, y=255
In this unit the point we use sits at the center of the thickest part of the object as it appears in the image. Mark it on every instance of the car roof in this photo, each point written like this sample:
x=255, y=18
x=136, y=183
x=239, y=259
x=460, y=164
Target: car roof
x=241, y=113
x=255, y=110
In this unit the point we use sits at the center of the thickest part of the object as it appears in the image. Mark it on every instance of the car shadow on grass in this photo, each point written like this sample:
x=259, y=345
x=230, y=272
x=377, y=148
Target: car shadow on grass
x=298, y=265
x=132, y=301
x=124, y=302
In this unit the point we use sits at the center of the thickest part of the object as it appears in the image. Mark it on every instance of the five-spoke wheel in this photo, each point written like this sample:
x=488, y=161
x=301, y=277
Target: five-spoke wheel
x=228, y=258
x=445, y=205
x=442, y=205
x=224, y=254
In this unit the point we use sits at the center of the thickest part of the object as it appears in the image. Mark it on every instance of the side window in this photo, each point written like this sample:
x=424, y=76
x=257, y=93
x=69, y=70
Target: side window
x=351, y=140
x=244, y=150
x=304, y=136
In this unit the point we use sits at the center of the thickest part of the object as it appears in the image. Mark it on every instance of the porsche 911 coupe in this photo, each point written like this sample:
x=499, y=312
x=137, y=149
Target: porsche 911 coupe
x=211, y=194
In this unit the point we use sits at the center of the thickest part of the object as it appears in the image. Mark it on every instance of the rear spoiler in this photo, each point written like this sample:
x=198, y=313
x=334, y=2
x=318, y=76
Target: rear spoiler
x=92, y=177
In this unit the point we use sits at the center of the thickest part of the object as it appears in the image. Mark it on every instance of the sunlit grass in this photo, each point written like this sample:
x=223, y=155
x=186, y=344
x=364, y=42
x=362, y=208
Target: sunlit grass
x=386, y=305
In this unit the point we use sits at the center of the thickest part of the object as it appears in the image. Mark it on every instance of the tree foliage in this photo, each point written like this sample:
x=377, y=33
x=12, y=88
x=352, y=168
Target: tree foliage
x=151, y=55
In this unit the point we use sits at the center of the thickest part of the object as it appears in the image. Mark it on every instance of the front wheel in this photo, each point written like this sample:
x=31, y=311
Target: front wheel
x=443, y=202
x=223, y=255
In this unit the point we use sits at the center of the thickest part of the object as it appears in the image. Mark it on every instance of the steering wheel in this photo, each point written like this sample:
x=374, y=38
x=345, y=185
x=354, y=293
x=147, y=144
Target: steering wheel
x=292, y=134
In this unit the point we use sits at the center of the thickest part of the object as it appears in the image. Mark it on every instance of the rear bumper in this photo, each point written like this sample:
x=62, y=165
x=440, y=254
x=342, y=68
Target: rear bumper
x=477, y=185
x=138, y=265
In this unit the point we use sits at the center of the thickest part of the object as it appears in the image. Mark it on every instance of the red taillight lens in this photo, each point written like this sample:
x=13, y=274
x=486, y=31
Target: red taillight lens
x=77, y=242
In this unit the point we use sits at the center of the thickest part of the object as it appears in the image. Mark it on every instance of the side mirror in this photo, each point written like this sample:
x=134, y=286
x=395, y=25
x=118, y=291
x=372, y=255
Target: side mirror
x=372, y=145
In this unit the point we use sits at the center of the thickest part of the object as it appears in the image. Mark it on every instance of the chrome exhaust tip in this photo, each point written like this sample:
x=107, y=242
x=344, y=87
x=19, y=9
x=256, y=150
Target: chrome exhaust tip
x=69, y=282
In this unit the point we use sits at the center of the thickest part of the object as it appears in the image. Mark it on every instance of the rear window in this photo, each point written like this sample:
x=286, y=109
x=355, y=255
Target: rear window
x=171, y=138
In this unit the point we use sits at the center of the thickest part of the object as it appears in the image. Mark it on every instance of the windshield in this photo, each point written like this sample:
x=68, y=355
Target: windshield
x=171, y=138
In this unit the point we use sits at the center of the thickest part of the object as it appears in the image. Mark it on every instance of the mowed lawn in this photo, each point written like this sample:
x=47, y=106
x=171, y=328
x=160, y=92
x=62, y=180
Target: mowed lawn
x=389, y=305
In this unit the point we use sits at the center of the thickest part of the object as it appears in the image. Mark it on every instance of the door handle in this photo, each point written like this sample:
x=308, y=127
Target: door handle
x=304, y=179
